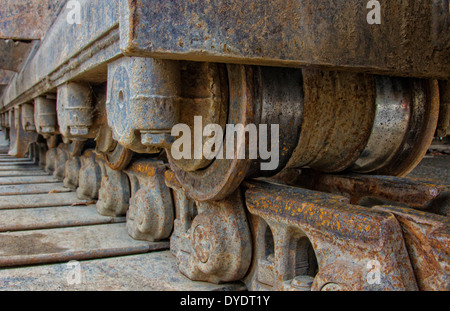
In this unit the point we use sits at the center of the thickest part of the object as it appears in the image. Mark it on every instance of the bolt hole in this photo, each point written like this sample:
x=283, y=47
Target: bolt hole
x=121, y=97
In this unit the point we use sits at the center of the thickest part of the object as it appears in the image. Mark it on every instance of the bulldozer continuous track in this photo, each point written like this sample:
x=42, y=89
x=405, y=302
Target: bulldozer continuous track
x=223, y=145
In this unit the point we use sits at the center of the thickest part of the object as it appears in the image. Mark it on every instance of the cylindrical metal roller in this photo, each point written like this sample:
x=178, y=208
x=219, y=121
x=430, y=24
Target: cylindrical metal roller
x=328, y=121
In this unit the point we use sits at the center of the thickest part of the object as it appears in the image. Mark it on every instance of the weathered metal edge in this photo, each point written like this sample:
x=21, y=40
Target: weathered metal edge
x=334, y=35
x=92, y=53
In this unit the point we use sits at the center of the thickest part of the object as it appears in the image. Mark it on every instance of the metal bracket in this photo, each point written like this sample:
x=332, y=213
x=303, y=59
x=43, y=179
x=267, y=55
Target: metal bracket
x=347, y=240
x=142, y=102
x=150, y=216
x=212, y=243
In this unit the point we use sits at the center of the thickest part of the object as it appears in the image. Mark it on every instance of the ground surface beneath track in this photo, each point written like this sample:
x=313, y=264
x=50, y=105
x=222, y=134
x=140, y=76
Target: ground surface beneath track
x=43, y=226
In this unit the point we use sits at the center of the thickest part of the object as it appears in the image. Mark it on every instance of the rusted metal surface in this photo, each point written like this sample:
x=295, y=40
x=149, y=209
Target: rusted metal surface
x=90, y=176
x=32, y=189
x=156, y=271
x=86, y=49
x=20, y=140
x=66, y=244
x=53, y=217
x=114, y=194
x=45, y=116
x=422, y=127
x=373, y=190
x=223, y=176
x=18, y=168
x=71, y=172
x=50, y=158
x=293, y=33
x=143, y=97
x=53, y=141
x=22, y=173
x=443, y=128
x=19, y=180
x=390, y=125
x=75, y=148
x=204, y=93
x=427, y=238
x=329, y=121
x=365, y=123
x=211, y=240
x=115, y=155
x=27, y=19
x=41, y=153
x=348, y=124
x=338, y=115
x=280, y=102
x=118, y=158
x=344, y=237
x=14, y=53
x=40, y=200
x=151, y=211
x=28, y=118
x=75, y=109
x=60, y=162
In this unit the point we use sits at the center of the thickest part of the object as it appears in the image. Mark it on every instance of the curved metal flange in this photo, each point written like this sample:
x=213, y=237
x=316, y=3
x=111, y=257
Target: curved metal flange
x=204, y=93
x=348, y=242
x=142, y=102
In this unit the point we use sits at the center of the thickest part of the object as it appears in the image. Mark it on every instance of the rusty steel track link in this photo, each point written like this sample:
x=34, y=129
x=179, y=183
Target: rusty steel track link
x=410, y=246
